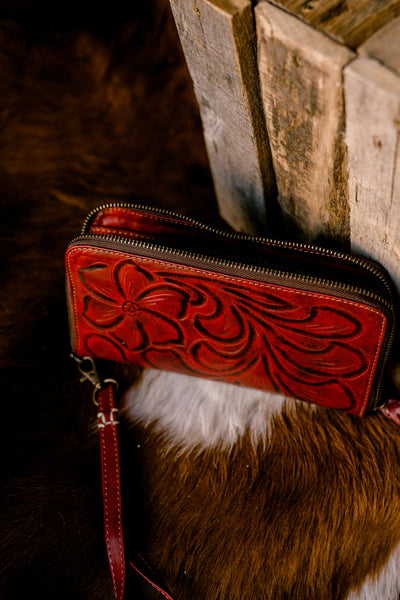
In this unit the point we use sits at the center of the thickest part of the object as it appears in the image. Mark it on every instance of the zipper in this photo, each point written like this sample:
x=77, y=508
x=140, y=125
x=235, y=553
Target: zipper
x=357, y=261
x=150, y=247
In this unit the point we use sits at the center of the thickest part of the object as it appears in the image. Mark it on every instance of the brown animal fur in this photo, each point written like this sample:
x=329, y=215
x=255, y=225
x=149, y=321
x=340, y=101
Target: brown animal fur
x=307, y=517
x=95, y=108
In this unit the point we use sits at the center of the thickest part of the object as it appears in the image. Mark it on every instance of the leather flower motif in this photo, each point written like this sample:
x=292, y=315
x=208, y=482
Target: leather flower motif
x=296, y=343
x=129, y=306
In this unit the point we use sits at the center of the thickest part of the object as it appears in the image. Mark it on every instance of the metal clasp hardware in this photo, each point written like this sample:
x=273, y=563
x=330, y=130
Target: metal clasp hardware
x=88, y=371
x=103, y=421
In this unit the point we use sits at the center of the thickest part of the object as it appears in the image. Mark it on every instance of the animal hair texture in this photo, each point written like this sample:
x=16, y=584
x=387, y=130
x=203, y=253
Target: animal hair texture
x=231, y=493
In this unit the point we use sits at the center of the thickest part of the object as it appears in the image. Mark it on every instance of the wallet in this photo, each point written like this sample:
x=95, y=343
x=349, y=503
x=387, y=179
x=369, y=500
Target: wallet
x=153, y=288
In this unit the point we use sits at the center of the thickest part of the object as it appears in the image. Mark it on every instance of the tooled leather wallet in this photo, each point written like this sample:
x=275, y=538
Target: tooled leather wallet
x=153, y=288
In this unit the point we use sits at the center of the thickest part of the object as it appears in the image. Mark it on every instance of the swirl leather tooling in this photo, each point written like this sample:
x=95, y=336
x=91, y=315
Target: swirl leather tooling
x=154, y=313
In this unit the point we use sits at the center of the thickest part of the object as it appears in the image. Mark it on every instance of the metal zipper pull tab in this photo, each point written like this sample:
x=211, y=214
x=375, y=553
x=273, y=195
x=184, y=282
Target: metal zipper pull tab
x=391, y=410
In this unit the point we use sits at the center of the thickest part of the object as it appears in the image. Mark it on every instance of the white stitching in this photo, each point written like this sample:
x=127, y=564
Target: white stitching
x=115, y=444
x=96, y=251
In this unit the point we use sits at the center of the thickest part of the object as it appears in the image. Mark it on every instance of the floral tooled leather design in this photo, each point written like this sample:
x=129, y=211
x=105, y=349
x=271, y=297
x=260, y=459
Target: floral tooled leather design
x=147, y=312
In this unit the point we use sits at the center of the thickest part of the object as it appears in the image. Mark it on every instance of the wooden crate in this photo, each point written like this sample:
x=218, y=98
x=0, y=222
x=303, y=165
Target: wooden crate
x=300, y=104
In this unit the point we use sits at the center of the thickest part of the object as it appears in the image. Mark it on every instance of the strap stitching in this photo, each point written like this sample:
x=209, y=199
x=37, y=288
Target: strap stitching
x=106, y=486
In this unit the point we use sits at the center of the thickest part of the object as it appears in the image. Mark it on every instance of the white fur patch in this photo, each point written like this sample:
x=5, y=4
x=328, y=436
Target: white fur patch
x=201, y=413
x=385, y=585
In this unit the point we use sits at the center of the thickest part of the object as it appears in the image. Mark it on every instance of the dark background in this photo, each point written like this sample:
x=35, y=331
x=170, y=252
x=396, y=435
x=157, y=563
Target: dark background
x=96, y=105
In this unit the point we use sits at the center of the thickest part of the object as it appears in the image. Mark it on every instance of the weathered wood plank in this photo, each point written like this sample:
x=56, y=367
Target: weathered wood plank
x=301, y=81
x=372, y=93
x=218, y=39
x=349, y=21
x=384, y=45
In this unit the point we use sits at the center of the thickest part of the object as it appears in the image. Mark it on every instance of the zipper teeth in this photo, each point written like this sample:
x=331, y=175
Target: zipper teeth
x=380, y=382
x=357, y=261
x=233, y=235
x=234, y=264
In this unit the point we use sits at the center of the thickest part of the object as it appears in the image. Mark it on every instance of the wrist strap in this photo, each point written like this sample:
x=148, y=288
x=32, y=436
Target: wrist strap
x=107, y=416
x=108, y=423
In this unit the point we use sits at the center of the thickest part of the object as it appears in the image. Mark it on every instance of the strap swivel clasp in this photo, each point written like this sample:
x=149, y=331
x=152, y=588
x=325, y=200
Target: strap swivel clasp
x=88, y=371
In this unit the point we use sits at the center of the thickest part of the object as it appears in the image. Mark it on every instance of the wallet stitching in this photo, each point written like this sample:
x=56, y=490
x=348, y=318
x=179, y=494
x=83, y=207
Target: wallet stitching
x=75, y=310
x=117, y=231
x=96, y=251
x=148, y=216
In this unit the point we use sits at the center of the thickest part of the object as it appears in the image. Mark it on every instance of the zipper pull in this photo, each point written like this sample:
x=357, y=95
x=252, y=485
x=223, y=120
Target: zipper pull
x=392, y=410
x=87, y=369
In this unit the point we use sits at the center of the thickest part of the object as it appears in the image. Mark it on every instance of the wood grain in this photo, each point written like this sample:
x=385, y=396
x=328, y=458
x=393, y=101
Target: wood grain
x=349, y=21
x=218, y=39
x=372, y=94
x=384, y=45
x=301, y=81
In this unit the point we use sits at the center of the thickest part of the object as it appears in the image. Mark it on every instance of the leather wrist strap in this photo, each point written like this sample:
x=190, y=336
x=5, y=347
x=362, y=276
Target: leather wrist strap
x=107, y=416
x=108, y=423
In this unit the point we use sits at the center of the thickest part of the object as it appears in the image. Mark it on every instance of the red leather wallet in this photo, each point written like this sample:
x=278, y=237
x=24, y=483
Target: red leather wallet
x=153, y=288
